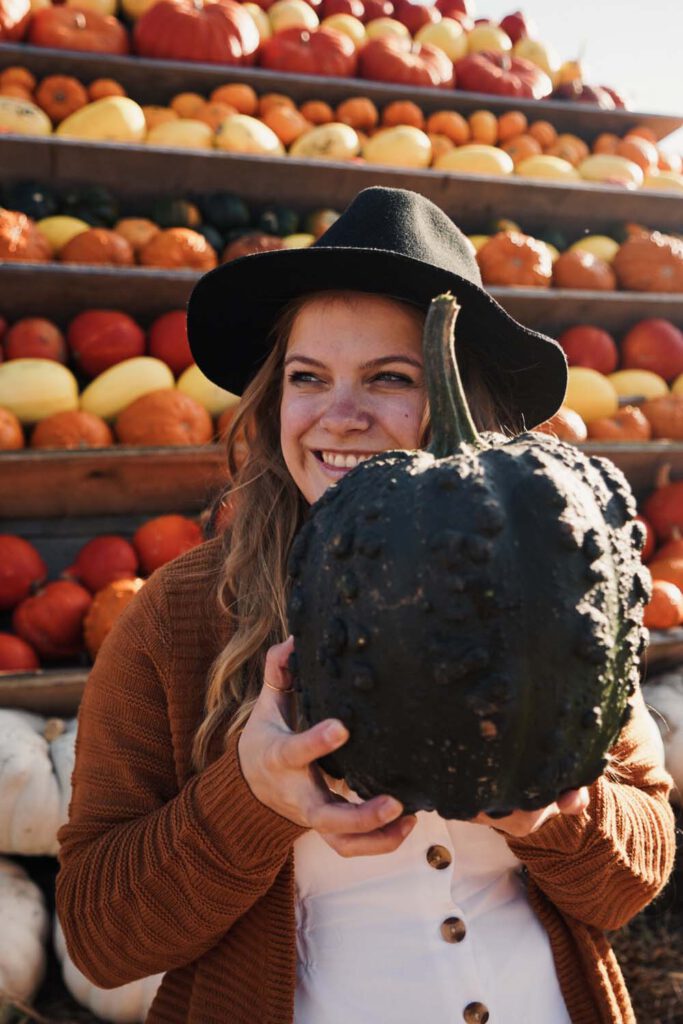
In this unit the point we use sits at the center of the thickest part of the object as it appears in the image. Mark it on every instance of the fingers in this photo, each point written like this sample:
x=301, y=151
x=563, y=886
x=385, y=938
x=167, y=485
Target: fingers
x=340, y=817
x=574, y=801
x=369, y=844
x=299, y=750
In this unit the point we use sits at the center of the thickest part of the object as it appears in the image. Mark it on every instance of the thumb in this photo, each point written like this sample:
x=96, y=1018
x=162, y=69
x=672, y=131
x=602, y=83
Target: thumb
x=277, y=679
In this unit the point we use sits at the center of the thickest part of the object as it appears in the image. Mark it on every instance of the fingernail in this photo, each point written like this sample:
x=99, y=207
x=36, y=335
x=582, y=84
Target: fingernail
x=390, y=808
x=407, y=826
x=335, y=732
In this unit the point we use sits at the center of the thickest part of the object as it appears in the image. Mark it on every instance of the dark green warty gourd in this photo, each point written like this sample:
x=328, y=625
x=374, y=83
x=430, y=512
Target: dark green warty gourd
x=472, y=612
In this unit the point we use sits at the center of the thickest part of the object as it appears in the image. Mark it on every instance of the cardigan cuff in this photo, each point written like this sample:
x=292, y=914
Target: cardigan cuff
x=238, y=825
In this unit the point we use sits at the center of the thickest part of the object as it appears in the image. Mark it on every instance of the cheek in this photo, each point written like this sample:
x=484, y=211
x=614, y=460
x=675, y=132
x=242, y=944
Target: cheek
x=295, y=418
x=403, y=420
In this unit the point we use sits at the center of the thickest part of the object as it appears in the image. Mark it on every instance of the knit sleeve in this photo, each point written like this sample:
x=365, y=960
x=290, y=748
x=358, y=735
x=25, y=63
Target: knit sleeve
x=603, y=866
x=153, y=874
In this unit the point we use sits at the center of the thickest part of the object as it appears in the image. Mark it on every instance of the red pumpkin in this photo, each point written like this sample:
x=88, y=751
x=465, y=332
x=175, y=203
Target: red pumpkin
x=627, y=424
x=664, y=510
x=650, y=539
x=159, y=540
x=35, y=338
x=393, y=59
x=211, y=31
x=103, y=560
x=321, y=51
x=502, y=75
x=16, y=655
x=14, y=19
x=21, y=569
x=414, y=15
x=52, y=621
x=654, y=344
x=168, y=341
x=589, y=346
x=100, y=338
x=68, y=28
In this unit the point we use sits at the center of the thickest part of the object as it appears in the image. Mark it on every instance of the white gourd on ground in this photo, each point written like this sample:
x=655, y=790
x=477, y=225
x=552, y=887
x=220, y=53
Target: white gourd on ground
x=23, y=931
x=126, y=1004
x=35, y=781
x=664, y=695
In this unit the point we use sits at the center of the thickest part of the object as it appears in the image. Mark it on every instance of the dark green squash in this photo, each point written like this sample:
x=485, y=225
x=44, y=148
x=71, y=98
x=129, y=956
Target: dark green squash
x=31, y=198
x=225, y=211
x=278, y=220
x=175, y=213
x=471, y=612
x=94, y=204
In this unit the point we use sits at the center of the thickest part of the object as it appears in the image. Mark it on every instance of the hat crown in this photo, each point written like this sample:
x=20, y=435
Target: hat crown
x=396, y=220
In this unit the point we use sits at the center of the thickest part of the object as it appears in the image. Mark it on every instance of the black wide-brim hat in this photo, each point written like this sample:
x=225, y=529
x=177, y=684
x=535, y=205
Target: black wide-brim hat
x=387, y=242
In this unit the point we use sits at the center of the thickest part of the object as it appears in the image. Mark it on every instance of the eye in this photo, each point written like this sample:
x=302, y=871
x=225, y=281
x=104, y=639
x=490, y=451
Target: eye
x=393, y=377
x=302, y=377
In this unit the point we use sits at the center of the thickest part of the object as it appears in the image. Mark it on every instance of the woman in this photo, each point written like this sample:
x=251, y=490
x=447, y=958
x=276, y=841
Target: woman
x=203, y=839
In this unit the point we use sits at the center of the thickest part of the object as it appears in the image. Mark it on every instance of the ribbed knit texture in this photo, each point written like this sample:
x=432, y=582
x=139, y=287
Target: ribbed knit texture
x=164, y=869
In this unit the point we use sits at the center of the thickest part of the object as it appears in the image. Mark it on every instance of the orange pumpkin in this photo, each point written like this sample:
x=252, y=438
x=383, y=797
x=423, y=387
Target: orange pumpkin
x=20, y=239
x=650, y=539
x=451, y=124
x=287, y=123
x=359, y=112
x=165, y=417
x=665, y=415
x=16, y=655
x=672, y=549
x=582, y=270
x=669, y=569
x=159, y=540
x=11, y=434
x=98, y=246
x=403, y=112
x=238, y=95
x=665, y=608
x=16, y=92
x=105, y=609
x=186, y=104
x=103, y=87
x=511, y=124
x=137, y=231
x=60, y=95
x=18, y=75
x=640, y=151
x=628, y=424
x=72, y=429
x=269, y=100
x=318, y=112
x=566, y=425
x=23, y=569
x=178, y=248
x=649, y=261
x=512, y=258
x=607, y=143
x=483, y=127
x=544, y=133
x=214, y=114
x=102, y=560
x=52, y=620
x=248, y=244
x=664, y=510
x=158, y=115
x=68, y=28
x=520, y=147
x=440, y=144
x=569, y=147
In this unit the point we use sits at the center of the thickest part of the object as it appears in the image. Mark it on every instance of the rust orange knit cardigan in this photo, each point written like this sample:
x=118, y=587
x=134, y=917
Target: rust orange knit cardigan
x=164, y=869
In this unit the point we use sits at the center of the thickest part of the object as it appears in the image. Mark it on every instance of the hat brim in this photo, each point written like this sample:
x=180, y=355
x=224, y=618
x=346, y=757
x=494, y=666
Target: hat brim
x=232, y=310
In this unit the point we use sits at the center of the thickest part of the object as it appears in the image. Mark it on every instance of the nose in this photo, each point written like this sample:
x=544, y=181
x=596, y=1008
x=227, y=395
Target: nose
x=344, y=412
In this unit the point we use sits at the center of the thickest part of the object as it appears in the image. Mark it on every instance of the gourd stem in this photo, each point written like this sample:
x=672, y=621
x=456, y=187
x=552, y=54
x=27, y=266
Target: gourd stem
x=452, y=423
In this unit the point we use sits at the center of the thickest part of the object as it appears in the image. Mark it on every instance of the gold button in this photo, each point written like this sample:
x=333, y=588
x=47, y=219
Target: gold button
x=438, y=857
x=453, y=930
x=475, y=1013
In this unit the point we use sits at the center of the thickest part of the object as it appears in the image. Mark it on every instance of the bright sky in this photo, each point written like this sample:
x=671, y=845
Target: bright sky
x=635, y=46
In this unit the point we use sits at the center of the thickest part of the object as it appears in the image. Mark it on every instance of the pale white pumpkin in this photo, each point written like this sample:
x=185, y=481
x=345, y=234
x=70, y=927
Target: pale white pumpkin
x=126, y=1004
x=664, y=697
x=23, y=932
x=35, y=781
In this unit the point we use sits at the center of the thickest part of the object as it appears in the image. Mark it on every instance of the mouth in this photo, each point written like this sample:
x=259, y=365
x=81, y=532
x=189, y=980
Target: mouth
x=338, y=463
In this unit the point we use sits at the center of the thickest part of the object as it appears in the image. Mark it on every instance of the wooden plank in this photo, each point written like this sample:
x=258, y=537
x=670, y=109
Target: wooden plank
x=60, y=291
x=156, y=81
x=46, y=692
x=641, y=463
x=665, y=648
x=472, y=200
x=113, y=481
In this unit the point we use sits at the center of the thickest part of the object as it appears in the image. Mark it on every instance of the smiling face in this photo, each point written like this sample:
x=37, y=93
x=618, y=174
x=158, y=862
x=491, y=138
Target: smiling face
x=353, y=386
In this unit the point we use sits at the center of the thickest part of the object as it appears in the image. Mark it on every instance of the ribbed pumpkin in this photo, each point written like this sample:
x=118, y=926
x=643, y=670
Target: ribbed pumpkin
x=105, y=609
x=11, y=434
x=164, y=417
x=72, y=429
x=650, y=262
x=582, y=270
x=418, y=586
x=178, y=248
x=511, y=258
x=20, y=239
x=212, y=31
x=665, y=415
x=98, y=246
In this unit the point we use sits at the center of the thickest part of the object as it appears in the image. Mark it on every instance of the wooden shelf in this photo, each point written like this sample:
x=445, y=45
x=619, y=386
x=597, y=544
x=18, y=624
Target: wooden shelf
x=472, y=200
x=60, y=291
x=156, y=81
x=46, y=692
x=109, y=481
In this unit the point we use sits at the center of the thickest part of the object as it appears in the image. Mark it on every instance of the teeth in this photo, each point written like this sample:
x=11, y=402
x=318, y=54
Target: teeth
x=340, y=461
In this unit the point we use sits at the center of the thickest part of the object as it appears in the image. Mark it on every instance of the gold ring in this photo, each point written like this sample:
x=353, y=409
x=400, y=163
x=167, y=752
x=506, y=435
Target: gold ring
x=277, y=689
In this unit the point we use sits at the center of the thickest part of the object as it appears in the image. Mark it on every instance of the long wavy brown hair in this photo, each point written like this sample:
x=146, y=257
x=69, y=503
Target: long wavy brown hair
x=266, y=510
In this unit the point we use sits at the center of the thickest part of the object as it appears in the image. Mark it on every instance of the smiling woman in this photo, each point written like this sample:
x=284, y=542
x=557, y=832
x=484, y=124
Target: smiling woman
x=214, y=848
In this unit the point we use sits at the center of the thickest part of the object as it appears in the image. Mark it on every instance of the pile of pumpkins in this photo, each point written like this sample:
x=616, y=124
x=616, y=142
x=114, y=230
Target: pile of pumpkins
x=119, y=385
x=233, y=118
x=65, y=619
x=662, y=515
x=629, y=393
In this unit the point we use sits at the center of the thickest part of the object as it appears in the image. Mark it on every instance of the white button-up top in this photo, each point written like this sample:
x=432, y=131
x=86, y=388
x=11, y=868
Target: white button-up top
x=372, y=949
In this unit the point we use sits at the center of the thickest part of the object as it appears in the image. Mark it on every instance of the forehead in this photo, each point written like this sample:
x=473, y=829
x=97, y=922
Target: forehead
x=358, y=320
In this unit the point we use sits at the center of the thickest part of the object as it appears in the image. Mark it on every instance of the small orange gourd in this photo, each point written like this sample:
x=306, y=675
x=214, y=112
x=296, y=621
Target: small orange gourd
x=105, y=609
x=511, y=258
x=61, y=95
x=98, y=246
x=164, y=417
x=665, y=608
x=70, y=430
x=628, y=424
x=649, y=261
x=577, y=269
x=359, y=112
x=11, y=434
x=665, y=415
x=20, y=239
x=178, y=248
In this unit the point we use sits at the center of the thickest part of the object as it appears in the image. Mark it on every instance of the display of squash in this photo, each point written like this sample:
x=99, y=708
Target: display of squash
x=333, y=141
x=181, y=133
x=215, y=399
x=469, y=527
x=476, y=158
x=611, y=170
x=20, y=117
x=35, y=781
x=549, y=168
x=399, y=146
x=512, y=258
x=241, y=133
x=112, y=119
x=649, y=261
x=24, y=931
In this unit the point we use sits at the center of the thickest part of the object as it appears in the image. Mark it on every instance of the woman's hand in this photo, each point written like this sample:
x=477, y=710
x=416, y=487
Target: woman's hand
x=523, y=823
x=279, y=768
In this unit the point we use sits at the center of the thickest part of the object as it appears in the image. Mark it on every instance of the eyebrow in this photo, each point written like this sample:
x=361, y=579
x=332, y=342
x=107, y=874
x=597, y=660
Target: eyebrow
x=370, y=365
